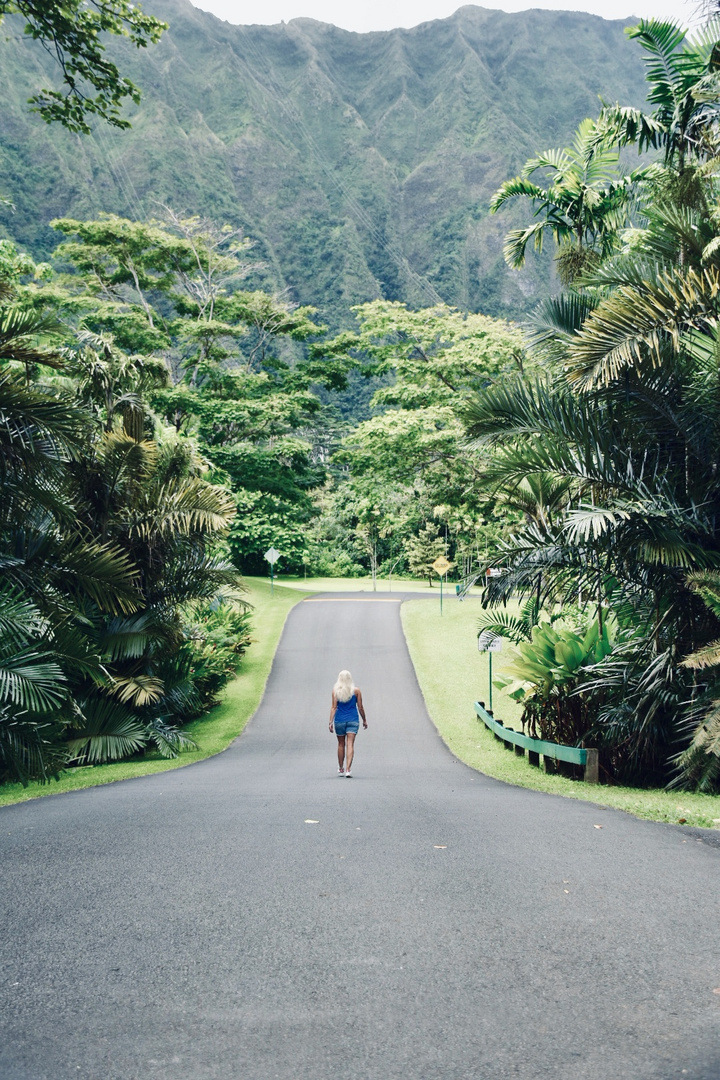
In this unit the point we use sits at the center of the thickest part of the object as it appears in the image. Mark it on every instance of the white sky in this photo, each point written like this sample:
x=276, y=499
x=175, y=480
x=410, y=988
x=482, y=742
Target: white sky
x=364, y=15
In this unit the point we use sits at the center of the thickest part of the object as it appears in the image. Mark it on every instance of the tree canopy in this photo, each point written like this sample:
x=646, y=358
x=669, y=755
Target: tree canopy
x=72, y=33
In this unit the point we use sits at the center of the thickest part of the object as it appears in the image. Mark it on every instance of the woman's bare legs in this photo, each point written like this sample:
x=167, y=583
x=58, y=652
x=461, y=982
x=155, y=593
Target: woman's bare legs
x=350, y=750
x=341, y=751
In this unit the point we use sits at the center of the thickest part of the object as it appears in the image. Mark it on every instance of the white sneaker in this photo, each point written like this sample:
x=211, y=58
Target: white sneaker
x=341, y=772
x=348, y=774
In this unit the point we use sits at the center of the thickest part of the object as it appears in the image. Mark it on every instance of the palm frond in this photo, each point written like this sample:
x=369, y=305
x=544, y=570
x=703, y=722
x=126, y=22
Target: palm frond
x=629, y=125
x=37, y=427
x=127, y=638
x=513, y=188
x=74, y=648
x=555, y=321
x=502, y=624
x=707, y=585
x=120, y=454
x=105, y=731
x=21, y=330
x=31, y=681
x=20, y=618
x=558, y=433
x=517, y=240
x=631, y=327
x=199, y=576
x=169, y=741
x=707, y=657
x=557, y=160
x=666, y=64
x=182, y=507
x=100, y=572
x=138, y=690
x=30, y=748
x=698, y=766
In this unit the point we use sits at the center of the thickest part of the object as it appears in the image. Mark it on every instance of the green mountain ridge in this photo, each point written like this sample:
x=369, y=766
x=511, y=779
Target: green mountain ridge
x=361, y=164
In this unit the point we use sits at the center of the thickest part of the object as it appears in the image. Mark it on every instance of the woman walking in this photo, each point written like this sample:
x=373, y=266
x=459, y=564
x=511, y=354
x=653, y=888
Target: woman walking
x=346, y=704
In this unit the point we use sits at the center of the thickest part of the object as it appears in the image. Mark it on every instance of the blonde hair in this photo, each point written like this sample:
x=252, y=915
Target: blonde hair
x=344, y=688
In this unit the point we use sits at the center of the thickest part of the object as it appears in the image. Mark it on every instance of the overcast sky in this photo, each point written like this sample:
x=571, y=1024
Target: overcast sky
x=363, y=15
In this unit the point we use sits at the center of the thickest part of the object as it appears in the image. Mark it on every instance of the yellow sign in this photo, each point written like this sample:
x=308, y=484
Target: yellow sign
x=441, y=565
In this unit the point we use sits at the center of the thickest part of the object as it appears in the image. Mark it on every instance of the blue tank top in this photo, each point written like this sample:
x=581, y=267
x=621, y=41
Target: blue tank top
x=347, y=710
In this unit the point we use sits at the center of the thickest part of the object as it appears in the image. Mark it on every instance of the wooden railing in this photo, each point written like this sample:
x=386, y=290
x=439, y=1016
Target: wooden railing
x=551, y=752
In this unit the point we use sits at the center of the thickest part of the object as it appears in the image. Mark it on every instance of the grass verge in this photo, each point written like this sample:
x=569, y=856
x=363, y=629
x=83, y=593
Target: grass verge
x=213, y=732
x=453, y=675
x=365, y=585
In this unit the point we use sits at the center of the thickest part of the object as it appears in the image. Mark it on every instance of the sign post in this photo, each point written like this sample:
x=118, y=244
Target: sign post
x=272, y=555
x=441, y=566
x=489, y=643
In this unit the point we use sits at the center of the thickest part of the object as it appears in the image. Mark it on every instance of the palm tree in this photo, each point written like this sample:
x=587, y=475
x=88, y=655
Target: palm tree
x=49, y=565
x=149, y=498
x=636, y=519
x=626, y=426
x=583, y=207
x=683, y=77
x=661, y=296
x=106, y=534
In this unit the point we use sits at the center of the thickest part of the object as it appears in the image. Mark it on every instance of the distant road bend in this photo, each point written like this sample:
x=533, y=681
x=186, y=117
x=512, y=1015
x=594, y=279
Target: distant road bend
x=254, y=917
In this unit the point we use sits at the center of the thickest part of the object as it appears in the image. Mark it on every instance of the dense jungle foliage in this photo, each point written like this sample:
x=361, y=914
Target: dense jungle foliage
x=616, y=434
x=162, y=426
x=163, y=421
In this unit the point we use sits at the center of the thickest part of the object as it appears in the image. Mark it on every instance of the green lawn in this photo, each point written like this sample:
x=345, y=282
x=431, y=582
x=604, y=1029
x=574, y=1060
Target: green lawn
x=365, y=585
x=212, y=732
x=453, y=675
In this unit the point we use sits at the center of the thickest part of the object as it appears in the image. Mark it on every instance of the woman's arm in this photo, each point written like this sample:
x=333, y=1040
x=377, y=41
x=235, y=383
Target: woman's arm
x=333, y=710
x=361, y=709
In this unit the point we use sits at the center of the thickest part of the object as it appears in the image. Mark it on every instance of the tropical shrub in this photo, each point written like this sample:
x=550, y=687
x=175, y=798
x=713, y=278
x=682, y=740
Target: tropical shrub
x=51, y=566
x=547, y=671
x=699, y=762
x=33, y=691
x=109, y=529
x=333, y=562
x=217, y=639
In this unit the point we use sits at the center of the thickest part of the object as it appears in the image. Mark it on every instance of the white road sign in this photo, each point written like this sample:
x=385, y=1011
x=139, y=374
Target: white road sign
x=489, y=642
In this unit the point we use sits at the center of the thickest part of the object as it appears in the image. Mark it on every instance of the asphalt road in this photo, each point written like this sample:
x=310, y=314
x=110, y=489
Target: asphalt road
x=432, y=925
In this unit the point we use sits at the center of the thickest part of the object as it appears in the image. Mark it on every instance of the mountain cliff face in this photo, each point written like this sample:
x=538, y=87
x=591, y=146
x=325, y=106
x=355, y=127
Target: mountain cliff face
x=361, y=164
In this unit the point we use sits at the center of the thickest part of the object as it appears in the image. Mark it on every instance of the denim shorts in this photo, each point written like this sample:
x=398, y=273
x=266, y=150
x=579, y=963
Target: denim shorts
x=347, y=727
